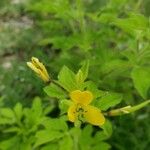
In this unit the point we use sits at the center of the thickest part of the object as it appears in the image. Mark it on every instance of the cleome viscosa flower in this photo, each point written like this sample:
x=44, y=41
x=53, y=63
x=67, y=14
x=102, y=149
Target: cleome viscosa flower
x=82, y=111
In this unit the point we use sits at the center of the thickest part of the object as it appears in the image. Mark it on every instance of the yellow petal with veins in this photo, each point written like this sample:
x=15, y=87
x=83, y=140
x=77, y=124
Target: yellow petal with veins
x=72, y=113
x=80, y=97
x=94, y=116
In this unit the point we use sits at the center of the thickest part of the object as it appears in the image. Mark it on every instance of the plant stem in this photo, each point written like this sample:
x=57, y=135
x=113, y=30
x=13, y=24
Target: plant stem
x=76, y=138
x=57, y=84
x=127, y=109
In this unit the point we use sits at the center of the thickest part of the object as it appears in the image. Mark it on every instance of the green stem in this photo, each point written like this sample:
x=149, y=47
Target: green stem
x=127, y=109
x=76, y=141
x=76, y=137
x=58, y=84
x=77, y=124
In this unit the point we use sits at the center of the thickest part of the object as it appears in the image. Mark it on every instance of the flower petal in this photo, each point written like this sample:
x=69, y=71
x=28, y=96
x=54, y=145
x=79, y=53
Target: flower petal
x=43, y=76
x=32, y=66
x=80, y=97
x=72, y=113
x=40, y=66
x=94, y=116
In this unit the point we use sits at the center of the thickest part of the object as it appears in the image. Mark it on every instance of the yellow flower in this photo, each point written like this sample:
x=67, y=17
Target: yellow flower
x=81, y=110
x=39, y=68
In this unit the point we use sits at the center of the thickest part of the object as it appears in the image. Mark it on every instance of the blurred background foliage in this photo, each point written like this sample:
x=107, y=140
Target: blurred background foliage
x=114, y=35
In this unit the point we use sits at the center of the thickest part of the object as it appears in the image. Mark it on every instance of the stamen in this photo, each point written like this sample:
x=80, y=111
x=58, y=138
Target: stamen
x=80, y=112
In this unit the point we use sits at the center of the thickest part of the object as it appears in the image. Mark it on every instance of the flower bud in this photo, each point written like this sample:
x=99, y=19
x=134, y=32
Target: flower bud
x=39, y=69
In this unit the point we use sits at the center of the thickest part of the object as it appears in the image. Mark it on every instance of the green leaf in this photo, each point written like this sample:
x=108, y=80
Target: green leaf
x=64, y=105
x=95, y=141
x=46, y=136
x=107, y=128
x=9, y=143
x=108, y=100
x=79, y=78
x=12, y=129
x=18, y=111
x=141, y=80
x=67, y=79
x=85, y=69
x=55, y=124
x=66, y=143
x=37, y=106
x=34, y=116
x=82, y=75
x=48, y=109
x=89, y=85
x=105, y=134
x=134, y=23
x=4, y=121
x=86, y=137
x=50, y=146
x=53, y=90
x=7, y=112
x=101, y=136
x=101, y=146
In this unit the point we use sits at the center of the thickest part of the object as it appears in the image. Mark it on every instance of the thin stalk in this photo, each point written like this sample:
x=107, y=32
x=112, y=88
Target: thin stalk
x=59, y=85
x=127, y=109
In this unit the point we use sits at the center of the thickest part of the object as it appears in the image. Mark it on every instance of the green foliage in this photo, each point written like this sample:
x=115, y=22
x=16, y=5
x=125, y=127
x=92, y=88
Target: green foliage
x=108, y=40
x=31, y=128
x=141, y=79
x=134, y=24
x=53, y=90
x=109, y=100
x=54, y=130
x=95, y=142
x=67, y=79
x=20, y=125
x=131, y=129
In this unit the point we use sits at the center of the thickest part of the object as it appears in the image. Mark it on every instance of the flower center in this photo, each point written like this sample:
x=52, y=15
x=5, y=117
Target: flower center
x=80, y=112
